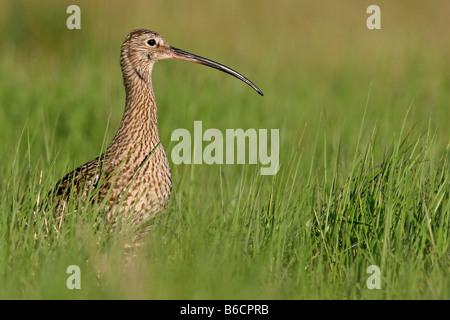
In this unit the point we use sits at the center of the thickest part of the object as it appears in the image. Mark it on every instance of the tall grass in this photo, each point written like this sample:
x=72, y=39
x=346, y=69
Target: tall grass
x=294, y=235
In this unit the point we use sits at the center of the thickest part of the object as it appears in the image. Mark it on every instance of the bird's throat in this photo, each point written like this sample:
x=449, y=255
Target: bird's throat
x=138, y=130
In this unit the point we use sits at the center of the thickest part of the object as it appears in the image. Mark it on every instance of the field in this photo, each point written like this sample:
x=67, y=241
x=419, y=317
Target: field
x=364, y=174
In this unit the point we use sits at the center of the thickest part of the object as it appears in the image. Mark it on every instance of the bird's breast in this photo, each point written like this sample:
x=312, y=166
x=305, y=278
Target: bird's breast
x=142, y=185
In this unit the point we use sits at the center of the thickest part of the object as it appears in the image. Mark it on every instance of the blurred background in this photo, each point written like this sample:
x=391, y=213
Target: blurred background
x=316, y=62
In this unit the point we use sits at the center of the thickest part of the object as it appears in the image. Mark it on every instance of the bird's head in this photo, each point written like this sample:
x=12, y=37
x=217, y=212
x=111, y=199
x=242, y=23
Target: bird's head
x=142, y=48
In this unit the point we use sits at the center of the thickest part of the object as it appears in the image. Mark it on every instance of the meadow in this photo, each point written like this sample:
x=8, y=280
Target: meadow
x=364, y=175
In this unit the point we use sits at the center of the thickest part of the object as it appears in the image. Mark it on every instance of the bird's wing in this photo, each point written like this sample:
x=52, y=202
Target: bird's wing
x=78, y=182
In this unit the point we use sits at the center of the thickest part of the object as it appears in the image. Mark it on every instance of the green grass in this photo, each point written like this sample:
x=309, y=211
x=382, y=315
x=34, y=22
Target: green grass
x=364, y=151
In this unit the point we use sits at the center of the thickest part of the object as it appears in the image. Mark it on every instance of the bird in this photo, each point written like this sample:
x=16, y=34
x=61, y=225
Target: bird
x=131, y=179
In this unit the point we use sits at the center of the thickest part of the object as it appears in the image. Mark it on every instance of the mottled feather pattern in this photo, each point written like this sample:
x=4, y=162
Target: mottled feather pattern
x=133, y=172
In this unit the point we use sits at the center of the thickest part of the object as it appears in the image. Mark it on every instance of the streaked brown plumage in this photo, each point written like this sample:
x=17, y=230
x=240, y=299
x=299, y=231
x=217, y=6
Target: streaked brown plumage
x=132, y=177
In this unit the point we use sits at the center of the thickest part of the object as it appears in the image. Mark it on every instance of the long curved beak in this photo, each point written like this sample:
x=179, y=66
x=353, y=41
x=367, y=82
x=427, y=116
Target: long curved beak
x=183, y=55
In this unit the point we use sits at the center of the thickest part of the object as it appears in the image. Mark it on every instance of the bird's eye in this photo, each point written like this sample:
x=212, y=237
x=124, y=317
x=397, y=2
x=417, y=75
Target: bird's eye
x=151, y=42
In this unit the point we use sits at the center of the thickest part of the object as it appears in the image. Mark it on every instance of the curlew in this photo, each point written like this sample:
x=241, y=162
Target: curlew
x=132, y=178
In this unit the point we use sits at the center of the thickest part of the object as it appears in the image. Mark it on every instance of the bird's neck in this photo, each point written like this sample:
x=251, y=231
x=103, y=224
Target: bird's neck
x=138, y=130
